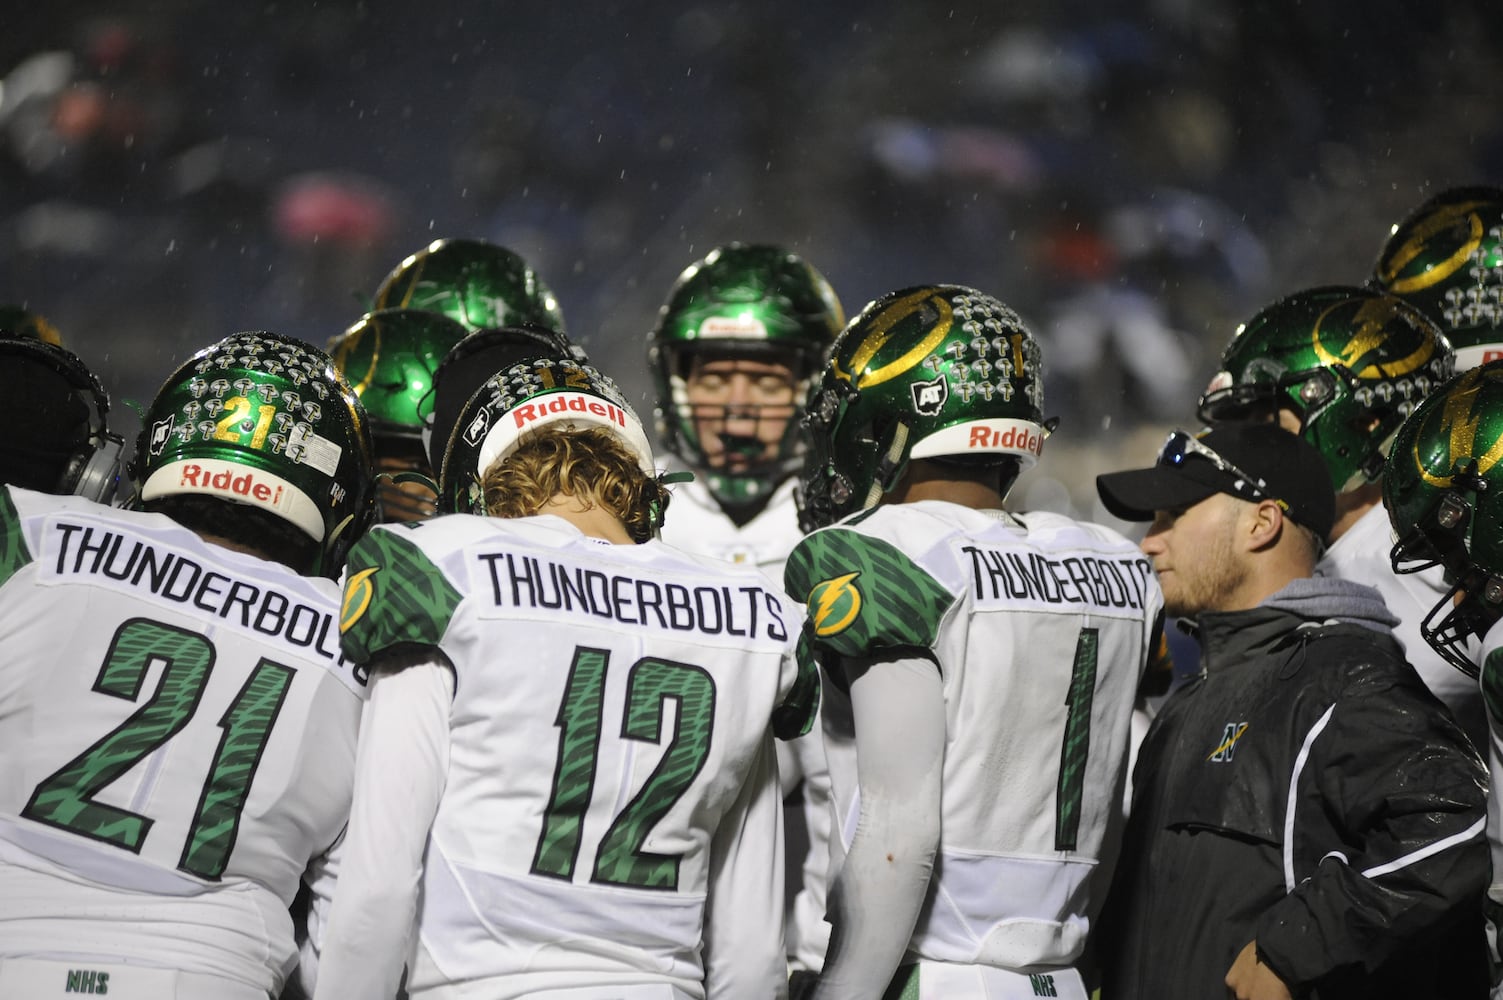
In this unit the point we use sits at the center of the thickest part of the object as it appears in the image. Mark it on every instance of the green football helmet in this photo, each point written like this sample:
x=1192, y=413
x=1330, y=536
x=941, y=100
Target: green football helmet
x=1447, y=258
x=1444, y=492
x=23, y=323
x=1350, y=362
x=754, y=301
x=936, y=371
x=264, y=420
x=473, y=282
x=389, y=357
x=526, y=397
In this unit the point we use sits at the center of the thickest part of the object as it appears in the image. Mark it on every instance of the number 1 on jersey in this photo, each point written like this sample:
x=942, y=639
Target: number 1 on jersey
x=1077, y=742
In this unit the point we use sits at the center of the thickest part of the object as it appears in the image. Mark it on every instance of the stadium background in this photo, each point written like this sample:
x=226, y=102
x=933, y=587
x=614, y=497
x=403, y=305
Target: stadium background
x=1134, y=178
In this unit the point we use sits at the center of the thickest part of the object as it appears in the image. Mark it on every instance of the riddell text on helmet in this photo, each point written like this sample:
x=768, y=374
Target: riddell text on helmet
x=225, y=481
x=526, y=413
x=1015, y=438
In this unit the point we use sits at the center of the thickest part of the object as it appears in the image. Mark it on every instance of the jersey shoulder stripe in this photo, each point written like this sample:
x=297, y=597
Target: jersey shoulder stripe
x=863, y=593
x=394, y=595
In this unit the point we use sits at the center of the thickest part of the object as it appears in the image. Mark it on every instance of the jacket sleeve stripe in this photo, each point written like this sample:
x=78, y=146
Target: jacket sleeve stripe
x=1299, y=767
x=1417, y=856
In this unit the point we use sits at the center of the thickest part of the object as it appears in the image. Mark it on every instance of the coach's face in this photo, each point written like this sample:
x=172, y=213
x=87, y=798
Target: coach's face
x=1193, y=555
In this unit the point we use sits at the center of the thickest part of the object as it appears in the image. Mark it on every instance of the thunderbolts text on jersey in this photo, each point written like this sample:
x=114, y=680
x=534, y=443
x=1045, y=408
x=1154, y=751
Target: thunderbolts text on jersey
x=529, y=582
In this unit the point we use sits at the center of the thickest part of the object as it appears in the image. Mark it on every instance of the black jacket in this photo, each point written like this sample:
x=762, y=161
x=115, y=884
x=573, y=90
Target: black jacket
x=1308, y=792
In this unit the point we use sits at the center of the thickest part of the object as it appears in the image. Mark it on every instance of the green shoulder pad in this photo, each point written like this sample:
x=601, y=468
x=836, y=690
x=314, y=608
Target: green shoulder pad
x=13, y=552
x=863, y=594
x=393, y=596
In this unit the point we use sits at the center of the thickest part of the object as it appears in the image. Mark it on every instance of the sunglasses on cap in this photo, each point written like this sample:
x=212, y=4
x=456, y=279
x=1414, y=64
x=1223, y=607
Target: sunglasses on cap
x=1180, y=446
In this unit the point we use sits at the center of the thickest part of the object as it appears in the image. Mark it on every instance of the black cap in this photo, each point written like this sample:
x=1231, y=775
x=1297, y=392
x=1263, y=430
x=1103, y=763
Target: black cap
x=1281, y=466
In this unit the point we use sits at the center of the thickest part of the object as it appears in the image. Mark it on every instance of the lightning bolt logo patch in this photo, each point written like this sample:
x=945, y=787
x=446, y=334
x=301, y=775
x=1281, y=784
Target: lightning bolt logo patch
x=358, y=591
x=834, y=604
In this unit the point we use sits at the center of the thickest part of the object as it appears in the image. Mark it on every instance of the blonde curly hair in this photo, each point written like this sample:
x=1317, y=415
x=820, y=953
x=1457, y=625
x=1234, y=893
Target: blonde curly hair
x=592, y=465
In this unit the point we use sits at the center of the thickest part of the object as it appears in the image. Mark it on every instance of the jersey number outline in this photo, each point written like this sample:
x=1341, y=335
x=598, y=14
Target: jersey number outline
x=1076, y=746
x=620, y=859
x=65, y=799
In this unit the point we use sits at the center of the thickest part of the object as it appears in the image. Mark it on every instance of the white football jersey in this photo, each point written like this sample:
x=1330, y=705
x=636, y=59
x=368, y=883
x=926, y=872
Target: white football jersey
x=1361, y=554
x=178, y=727
x=1041, y=628
x=696, y=523
x=610, y=703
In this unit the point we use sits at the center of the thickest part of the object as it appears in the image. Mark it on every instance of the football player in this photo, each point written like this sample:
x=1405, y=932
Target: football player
x=566, y=779
x=982, y=664
x=472, y=282
x=742, y=333
x=1446, y=257
x=389, y=357
x=1342, y=367
x=58, y=409
x=177, y=722
x=1442, y=491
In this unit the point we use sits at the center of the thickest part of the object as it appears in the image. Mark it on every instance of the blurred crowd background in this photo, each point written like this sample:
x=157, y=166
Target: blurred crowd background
x=1135, y=178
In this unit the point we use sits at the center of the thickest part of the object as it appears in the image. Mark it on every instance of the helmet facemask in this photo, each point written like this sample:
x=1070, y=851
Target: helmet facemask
x=742, y=449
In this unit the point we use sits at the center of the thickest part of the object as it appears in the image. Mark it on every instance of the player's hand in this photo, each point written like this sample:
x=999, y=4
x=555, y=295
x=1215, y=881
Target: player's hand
x=1250, y=979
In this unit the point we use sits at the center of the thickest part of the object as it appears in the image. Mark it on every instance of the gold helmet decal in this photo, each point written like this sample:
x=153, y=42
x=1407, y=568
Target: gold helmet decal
x=1458, y=417
x=1443, y=219
x=881, y=324
x=1373, y=325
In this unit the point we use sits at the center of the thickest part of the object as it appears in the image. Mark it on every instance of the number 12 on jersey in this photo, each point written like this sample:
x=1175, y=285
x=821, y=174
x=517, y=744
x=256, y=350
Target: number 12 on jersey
x=620, y=859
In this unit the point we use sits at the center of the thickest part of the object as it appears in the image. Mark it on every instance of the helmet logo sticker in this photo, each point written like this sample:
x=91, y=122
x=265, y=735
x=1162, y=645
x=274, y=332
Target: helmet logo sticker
x=1458, y=418
x=835, y=603
x=306, y=447
x=929, y=397
x=732, y=327
x=161, y=432
x=477, y=427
